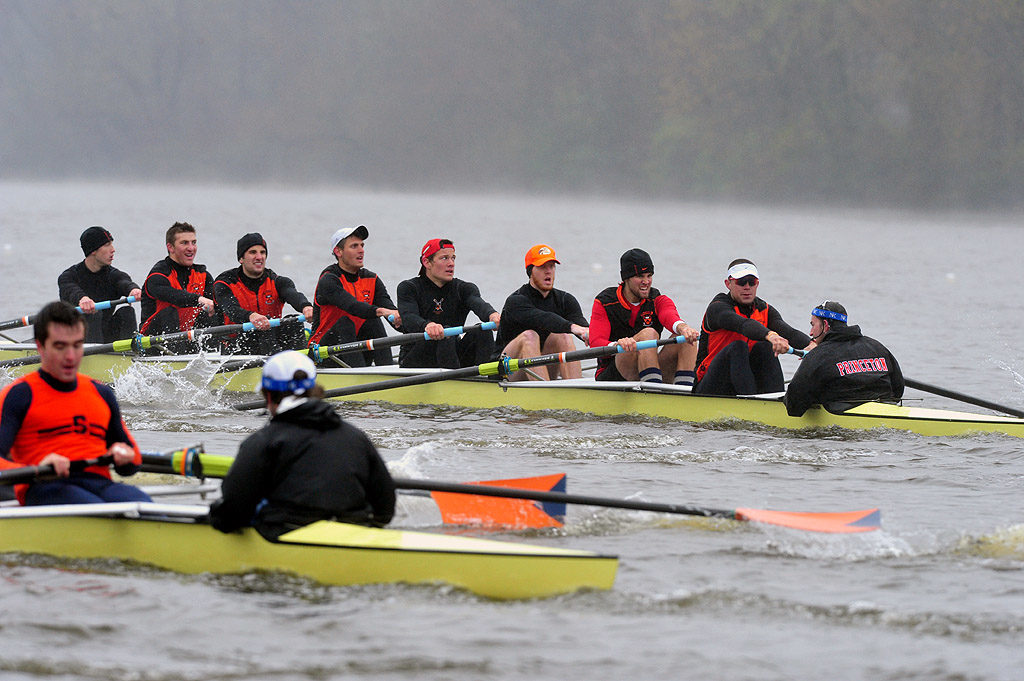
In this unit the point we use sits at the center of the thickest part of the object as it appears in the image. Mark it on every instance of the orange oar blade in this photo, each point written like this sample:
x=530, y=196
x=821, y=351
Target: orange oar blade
x=519, y=514
x=850, y=521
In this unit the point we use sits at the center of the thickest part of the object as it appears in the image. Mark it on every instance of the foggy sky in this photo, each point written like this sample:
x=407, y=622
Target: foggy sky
x=915, y=102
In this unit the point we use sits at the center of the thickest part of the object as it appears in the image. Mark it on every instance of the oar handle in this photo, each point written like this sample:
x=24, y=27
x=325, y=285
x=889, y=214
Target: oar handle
x=513, y=365
x=107, y=304
x=318, y=353
x=28, y=320
x=459, y=330
x=13, y=476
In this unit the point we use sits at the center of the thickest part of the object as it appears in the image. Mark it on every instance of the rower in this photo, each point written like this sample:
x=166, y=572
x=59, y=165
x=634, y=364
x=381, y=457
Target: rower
x=539, y=318
x=846, y=369
x=741, y=338
x=350, y=300
x=56, y=416
x=305, y=465
x=636, y=311
x=252, y=292
x=435, y=299
x=178, y=293
x=94, y=280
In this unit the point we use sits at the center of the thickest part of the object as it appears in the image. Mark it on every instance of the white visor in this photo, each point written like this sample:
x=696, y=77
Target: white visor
x=743, y=269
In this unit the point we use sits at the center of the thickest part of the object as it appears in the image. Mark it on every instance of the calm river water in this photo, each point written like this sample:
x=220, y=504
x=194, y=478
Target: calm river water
x=692, y=599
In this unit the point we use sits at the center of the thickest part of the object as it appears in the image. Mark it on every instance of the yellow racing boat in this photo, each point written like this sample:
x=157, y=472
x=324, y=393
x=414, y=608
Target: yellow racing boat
x=581, y=395
x=169, y=536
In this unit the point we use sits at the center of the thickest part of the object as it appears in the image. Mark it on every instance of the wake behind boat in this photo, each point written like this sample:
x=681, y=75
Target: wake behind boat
x=584, y=395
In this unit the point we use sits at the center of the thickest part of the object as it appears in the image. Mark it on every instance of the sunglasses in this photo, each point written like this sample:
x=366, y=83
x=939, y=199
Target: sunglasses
x=749, y=280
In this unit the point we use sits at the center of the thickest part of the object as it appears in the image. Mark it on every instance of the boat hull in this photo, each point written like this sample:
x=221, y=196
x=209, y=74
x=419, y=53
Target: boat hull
x=582, y=395
x=327, y=552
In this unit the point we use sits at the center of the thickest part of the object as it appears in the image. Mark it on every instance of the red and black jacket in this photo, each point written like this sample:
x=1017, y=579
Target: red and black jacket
x=613, y=317
x=170, y=296
x=343, y=296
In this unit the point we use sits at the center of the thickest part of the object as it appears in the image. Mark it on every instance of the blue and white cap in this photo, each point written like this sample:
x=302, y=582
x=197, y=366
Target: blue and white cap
x=830, y=309
x=279, y=373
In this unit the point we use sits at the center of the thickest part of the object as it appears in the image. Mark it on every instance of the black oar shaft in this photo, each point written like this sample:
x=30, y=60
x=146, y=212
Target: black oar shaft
x=943, y=392
x=14, y=476
x=560, y=497
x=502, y=367
x=319, y=354
x=144, y=342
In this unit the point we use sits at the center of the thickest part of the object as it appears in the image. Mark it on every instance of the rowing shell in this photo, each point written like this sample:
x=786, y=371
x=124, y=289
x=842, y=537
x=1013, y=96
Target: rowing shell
x=586, y=396
x=168, y=536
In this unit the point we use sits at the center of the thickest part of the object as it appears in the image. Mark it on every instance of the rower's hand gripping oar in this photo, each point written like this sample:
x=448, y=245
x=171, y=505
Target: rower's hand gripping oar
x=318, y=353
x=15, y=476
x=944, y=392
x=140, y=343
x=843, y=522
x=28, y=320
x=502, y=367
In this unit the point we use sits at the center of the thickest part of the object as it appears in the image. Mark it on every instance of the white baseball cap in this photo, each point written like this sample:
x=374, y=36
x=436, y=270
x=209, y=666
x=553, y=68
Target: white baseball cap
x=346, y=232
x=279, y=372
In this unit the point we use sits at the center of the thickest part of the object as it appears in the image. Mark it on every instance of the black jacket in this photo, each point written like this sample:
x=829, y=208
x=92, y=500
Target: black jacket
x=306, y=465
x=846, y=369
x=527, y=309
x=421, y=301
x=109, y=283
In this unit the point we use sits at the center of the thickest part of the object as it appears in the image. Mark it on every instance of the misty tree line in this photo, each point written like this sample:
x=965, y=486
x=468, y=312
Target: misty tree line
x=916, y=102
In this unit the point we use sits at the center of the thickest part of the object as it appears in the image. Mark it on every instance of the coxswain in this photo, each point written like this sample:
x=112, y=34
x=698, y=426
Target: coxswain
x=178, y=293
x=636, y=311
x=741, y=338
x=95, y=280
x=254, y=293
x=350, y=300
x=846, y=369
x=434, y=300
x=305, y=465
x=539, y=318
x=56, y=415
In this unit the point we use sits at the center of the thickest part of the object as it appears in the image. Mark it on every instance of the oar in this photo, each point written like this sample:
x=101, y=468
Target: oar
x=14, y=476
x=455, y=509
x=952, y=394
x=140, y=343
x=977, y=401
x=502, y=367
x=319, y=353
x=191, y=462
x=848, y=521
x=29, y=319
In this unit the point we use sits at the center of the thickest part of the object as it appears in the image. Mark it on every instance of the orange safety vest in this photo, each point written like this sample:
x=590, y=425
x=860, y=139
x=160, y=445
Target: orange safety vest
x=72, y=424
x=266, y=300
x=717, y=340
x=362, y=289
x=186, y=315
